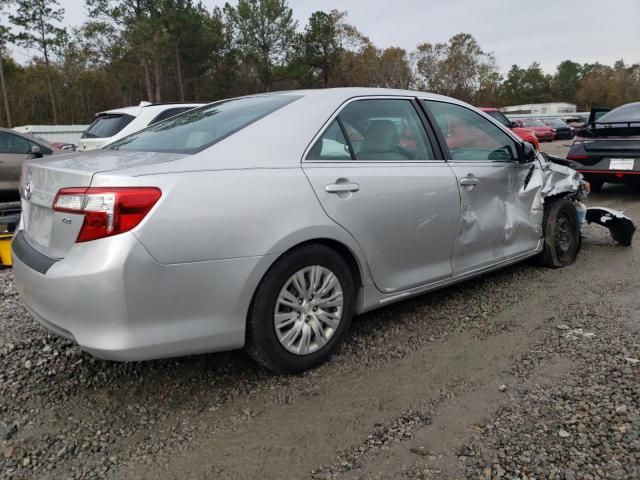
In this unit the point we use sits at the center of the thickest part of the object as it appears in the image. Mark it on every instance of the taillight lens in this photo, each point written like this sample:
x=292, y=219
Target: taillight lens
x=107, y=211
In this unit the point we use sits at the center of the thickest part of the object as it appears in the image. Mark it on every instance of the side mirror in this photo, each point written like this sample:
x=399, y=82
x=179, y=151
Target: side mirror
x=528, y=153
x=36, y=152
x=513, y=124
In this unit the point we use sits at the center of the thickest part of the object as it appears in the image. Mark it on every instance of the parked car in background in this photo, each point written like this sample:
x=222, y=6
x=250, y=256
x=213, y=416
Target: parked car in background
x=526, y=134
x=543, y=132
x=577, y=121
x=563, y=130
x=15, y=148
x=608, y=149
x=266, y=221
x=114, y=124
x=63, y=146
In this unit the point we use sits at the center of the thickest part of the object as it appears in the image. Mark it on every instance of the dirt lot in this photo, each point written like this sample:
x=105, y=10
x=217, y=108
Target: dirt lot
x=526, y=373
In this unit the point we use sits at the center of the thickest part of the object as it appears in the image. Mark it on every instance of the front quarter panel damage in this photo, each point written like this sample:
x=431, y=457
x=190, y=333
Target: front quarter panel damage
x=563, y=181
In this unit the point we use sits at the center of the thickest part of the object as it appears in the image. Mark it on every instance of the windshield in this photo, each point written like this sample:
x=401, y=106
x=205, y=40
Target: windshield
x=107, y=125
x=626, y=113
x=555, y=122
x=500, y=117
x=200, y=128
x=532, y=123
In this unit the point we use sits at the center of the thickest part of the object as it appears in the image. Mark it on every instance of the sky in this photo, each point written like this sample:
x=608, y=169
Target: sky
x=517, y=32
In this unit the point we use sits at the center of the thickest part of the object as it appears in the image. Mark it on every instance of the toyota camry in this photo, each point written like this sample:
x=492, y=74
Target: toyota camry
x=268, y=221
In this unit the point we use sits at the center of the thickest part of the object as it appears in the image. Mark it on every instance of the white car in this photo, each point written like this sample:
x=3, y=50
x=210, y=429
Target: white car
x=113, y=125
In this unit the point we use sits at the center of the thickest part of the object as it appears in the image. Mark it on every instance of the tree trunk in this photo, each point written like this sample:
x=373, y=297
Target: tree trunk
x=5, y=96
x=179, y=75
x=156, y=77
x=54, y=110
x=147, y=79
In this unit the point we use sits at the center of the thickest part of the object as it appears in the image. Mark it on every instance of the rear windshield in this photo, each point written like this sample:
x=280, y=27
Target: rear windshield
x=626, y=113
x=200, y=128
x=107, y=125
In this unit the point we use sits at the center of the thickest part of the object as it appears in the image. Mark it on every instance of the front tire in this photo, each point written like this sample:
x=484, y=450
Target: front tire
x=301, y=310
x=561, y=234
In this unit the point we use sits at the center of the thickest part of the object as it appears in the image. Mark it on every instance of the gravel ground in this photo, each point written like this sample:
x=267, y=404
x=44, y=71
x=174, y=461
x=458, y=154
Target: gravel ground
x=525, y=373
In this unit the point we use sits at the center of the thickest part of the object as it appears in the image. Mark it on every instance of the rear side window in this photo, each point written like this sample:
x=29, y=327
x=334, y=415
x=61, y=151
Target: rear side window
x=10, y=143
x=385, y=129
x=470, y=136
x=170, y=112
x=107, y=125
x=200, y=128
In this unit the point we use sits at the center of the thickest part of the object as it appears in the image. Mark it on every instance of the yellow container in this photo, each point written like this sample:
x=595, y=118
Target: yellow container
x=5, y=250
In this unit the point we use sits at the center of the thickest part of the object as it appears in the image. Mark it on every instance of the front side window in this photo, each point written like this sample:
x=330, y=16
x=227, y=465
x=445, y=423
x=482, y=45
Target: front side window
x=107, y=125
x=200, y=128
x=10, y=143
x=500, y=118
x=379, y=130
x=470, y=136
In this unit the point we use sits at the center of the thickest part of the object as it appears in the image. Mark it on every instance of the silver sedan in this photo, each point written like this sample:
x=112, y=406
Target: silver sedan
x=268, y=221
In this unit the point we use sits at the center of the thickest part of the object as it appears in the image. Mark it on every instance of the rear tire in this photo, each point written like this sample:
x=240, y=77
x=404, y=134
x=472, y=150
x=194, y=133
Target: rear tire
x=561, y=234
x=290, y=338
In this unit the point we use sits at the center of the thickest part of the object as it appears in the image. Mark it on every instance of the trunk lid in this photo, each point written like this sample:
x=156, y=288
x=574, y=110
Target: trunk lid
x=54, y=233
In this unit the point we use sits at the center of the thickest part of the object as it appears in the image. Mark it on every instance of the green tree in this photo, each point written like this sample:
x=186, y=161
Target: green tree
x=39, y=22
x=265, y=32
x=456, y=68
x=565, y=81
x=321, y=44
x=530, y=85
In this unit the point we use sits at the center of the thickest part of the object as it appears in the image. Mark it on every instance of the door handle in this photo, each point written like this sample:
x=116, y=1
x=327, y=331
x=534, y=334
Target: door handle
x=342, y=187
x=469, y=181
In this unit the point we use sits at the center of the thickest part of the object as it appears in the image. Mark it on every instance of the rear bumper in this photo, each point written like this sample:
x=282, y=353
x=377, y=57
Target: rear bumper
x=116, y=302
x=611, y=176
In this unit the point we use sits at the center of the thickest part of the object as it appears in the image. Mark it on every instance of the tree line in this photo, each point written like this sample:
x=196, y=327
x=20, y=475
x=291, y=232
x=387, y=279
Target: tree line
x=178, y=50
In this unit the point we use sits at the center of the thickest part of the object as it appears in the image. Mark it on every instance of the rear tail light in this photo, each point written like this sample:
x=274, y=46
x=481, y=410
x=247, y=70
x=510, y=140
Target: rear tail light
x=107, y=211
x=577, y=157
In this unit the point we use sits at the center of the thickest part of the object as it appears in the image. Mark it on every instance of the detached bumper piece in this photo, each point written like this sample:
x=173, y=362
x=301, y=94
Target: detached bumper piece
x=620, y=226
x=9, y=220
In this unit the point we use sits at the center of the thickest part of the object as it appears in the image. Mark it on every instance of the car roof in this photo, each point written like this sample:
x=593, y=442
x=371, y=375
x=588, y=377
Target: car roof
x=330, y=94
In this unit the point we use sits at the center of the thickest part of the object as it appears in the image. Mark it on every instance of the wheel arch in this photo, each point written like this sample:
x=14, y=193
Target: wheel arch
x=353, y=258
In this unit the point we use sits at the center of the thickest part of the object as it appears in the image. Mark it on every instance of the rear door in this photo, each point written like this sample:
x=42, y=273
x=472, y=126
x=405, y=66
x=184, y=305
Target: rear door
x=500, y=218
x=14, y=150
x=379, y=174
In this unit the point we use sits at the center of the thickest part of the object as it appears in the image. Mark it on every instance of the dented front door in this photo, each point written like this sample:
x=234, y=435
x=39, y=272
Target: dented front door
x=500, y=218
x=501, y=214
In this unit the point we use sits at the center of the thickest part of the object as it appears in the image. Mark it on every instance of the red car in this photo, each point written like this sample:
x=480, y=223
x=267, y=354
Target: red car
x=545, y=133
x=527, y=134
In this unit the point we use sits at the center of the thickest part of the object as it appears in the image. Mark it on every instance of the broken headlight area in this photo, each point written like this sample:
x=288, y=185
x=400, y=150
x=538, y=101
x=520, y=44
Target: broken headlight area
x=562, y=180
